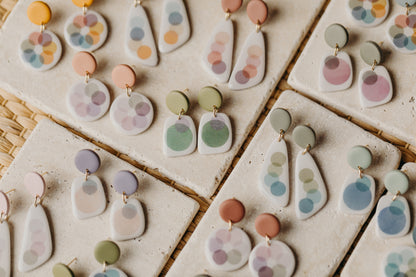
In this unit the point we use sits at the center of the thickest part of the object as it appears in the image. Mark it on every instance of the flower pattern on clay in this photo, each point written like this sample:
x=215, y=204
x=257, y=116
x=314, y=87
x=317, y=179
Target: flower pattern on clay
x=368, y=10
x=403, y=32
x=85, y=31
x=39, y=49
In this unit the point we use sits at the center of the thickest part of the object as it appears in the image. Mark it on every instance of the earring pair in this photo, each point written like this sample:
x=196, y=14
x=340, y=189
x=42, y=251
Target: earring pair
x=217, y=56
x=179, y=135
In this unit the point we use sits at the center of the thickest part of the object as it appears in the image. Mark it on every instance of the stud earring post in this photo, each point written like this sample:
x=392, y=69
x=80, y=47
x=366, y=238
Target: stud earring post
x=72, y=261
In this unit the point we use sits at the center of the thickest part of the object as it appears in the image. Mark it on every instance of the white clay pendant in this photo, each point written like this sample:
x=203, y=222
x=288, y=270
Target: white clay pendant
x=5, y=250
x=127, y=220
x=368, y=13
x=88, y=197
x=109, y=272
x=375, y=87
x=214, y=134
x=393, y=217
x=401, y=32
x=400, y=261
x=179, y=136
x=174, y=29
x=218, y=54
x=139, y=43
x=336, y=72
x=358, y=194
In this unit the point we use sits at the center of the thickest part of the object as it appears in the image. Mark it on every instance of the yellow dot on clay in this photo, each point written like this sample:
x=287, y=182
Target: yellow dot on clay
x=171, y=37
x=82, y=3
x=144, y=52
x=39, y=13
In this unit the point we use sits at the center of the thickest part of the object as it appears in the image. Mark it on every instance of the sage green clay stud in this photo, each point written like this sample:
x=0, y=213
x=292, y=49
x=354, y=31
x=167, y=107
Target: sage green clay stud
x=107, y=251
x=370, y=52
x=209, y=97
x=177, y=101
x=359, y=156
x=62, y=270
x=280, y=120
x=396, y=181
x=304, y=136
x=336, y=34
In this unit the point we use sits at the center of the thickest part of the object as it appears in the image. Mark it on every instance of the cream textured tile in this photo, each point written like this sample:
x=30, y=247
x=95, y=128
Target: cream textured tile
x=51, y=148
x=396, y=117
x=372, y=248
x=288, y=23
x=319, y=242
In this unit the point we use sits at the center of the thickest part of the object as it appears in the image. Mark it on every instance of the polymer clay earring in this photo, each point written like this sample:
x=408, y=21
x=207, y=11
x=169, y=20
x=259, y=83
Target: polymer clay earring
x=274, y=176
x=359, y=189
x=37, y=239
x=214, y=133
x=63, y=270
x=393, y=213
x=5, y=241
x=251, y=64
x=107, y=252
x=375, y=86
x=270, y=257
x=218, y=54
x=400, y=261
x=89, y=99
x=87, y=192
x=127, y=219
x=179, y=133
x=368, y=13
x=139, y=43
x=336, y=68
x=40, y=50
x=86, y=30
x=228, y=249
x=131, y=113
x=310, y=191
x=401, y=29
x=174, y=28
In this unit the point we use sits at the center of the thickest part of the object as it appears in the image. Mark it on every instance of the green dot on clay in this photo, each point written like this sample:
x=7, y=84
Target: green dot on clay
x=280, y=119
x=306, y=175
x=370, y=52
x=359, y=156
x=107, y=251
x=304, y=136
x=209, y=97
x=336, y=34
x=396, y=181
x=177, y=101
x=278, y=158
x=61, y=270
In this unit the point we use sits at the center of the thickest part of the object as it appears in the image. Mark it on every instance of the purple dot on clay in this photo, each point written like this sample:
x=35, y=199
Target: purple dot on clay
x=90, y=20
x=87, y=159
x=219, y=257
x=125, y=181
x=242, y=77
x=370, y=78
x=215, y=244
x=265, y=272
x=181, y=128
x=259, y=263
x=45, y=39
x=81, y=109
x=98, y=98
x=217, y=124
x=219, y=67
x=331, y=62
x=142, y=108
x=140, y=122
x=93, y=110
x=127, y=123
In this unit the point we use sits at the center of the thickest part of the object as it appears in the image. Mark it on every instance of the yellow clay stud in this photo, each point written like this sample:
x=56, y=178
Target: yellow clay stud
x=39, y=13
x=82, y=3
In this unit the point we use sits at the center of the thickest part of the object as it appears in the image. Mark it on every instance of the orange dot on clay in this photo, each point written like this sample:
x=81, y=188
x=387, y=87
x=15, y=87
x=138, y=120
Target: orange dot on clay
x=84, y=62
x=144, y=52
x=39, y=13
x=232, y=210
x=82, y=3
x=231, y=5
x=257, y=11
x=123, y=75
x=171, y=37
x=267, y=225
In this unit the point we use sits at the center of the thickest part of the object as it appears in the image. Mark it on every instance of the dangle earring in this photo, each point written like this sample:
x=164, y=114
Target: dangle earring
x=214, y=133
x=179, y=133
x=228, y=249
x=131, y=113
x=270, y=257
x=368, y=13
x=86, y=30
x=393, y=213
x=89, y=99
x=375, y=86
x=5, y=241
x=274, y=176
x=174, y=28
x=336, y=68
x=251, y=64
x=310, y=191
x=401, y=29
x=139, y=43
x=399, y=261
x=37, y=240
x=127, y=219
x=63, y=270
x=87, y=192
x=107, y=252
x=359, y=189
x=218, y=54
x=40, y=50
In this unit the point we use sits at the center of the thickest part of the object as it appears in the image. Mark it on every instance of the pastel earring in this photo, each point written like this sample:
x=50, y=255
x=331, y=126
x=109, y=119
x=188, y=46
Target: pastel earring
x=214, y=133
x=127, y=219
x=399, y=261
x=5, y=241
x=228, y=249
x=89, y=99
x=107, y=252
x=270, y=257
x=218, y=54
x=310, y=191
x=359, y=189
x=336, y=68
x=87, y=192
x=63, y=270
x=86, y=30
x=368, y=13
x=37, y=239
x=401, y=29
x=251, y=64
x=139, y=43
x=393, y=213
x=179, y=133
x=274, y=176
x=175, y=29
x=40, y=50
x=131, y=113
x=374, y=84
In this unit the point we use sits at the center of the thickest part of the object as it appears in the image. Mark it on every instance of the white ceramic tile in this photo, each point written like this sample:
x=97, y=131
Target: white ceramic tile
x=319, y=242
x=396, y=117
x=51, y=148
x=288, y=23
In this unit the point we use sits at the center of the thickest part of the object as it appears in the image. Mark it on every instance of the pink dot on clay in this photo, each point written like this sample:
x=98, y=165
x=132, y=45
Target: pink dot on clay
x=35, y=184
x=231, y=5
x=257, y=11
x=123, y=75
x=84, y=62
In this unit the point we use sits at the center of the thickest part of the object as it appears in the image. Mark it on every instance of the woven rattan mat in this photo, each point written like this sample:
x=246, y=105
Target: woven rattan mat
x=18, y=119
